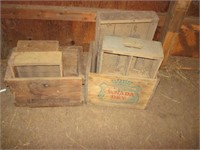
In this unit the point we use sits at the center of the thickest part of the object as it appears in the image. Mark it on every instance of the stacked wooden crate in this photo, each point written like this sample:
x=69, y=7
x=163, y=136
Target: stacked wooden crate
x=40, y=73
x=128, y=60
x=138, y=24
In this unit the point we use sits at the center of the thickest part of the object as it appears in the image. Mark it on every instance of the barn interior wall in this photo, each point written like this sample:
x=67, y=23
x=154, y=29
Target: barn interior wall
x=82, y=33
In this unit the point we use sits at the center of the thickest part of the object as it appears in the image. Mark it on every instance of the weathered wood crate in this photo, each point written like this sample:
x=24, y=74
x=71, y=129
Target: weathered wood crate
x=130, y=57
x=137, y=24
x=45, y=78
x=121, y=84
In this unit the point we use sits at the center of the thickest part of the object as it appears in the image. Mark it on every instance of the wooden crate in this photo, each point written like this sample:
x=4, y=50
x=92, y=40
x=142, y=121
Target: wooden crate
x=117, y=90
x=138, y=24
x=38, y=90
x=130, y=57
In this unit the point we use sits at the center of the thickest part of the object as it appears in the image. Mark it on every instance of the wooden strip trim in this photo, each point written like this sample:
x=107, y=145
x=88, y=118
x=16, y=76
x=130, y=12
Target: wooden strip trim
x=48, y=13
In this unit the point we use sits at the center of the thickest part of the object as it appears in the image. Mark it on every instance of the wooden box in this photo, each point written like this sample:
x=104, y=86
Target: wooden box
x=130, y=57
x=113, y=88
x=137, y=24
x=38, y=83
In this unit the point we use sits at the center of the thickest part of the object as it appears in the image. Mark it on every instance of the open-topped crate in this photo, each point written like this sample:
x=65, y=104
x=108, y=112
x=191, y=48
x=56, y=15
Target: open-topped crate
x=130, y=57
x=38, y=77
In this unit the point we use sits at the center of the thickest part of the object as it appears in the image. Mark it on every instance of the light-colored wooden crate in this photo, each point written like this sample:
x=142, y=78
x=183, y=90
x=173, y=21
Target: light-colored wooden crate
x=120, y=91
x=138, y=24
x=40, y=90
x=119, y=56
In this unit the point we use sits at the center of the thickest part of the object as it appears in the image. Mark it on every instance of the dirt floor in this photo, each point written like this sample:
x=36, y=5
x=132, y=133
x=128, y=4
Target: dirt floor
x=171, y=120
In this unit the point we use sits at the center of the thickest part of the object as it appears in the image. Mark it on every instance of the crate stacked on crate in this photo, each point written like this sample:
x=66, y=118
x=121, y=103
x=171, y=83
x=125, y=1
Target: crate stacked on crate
x=138, y=24
x=40, y=73
x=127, y=63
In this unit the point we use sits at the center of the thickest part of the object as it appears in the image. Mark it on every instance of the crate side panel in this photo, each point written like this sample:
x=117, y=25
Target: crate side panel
x=120, y=91
x=37, y=71
x=70, y=62
x=43, y=89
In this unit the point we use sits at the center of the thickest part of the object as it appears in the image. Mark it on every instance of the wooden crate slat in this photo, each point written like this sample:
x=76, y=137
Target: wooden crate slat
x=128, y=17
x=37, y=45
x=40, y=89
x=114, y=44
x=72, y=58
x=48, y=13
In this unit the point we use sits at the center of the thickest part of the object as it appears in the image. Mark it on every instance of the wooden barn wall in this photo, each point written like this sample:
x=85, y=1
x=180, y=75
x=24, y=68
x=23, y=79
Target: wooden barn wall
x=158, y=6
x=187, y=42
x=81, y=33
x=66, y=32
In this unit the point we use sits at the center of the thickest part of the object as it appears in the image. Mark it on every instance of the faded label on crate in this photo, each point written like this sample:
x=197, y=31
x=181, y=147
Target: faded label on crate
x=119, y=91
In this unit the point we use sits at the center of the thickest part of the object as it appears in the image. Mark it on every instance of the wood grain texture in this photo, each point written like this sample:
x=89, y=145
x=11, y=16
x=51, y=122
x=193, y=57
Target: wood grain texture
x=67, y=33
x=115, y=44
x=70, y=60
x=37, y=71
x=27, y=90
x=117, y=58
x=120, y=91
x=45, y=91
x=47, y=13
x=193, y=9
x=14, y=29
x=88, y=69
x=158, y=6
x=187, y=41
x=36, y=64
x=36, y=58
x=37, y=45
x=176, y=14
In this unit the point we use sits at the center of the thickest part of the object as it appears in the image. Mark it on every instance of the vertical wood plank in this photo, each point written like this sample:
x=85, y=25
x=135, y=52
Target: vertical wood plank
x=155, y=66
x=105, y=29
x=129, y=61
x=176, y=13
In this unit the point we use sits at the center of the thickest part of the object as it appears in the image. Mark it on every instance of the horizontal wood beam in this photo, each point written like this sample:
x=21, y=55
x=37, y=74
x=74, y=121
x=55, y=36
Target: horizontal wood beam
x=48, y=13
x=14, y=11
x=191, y=20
